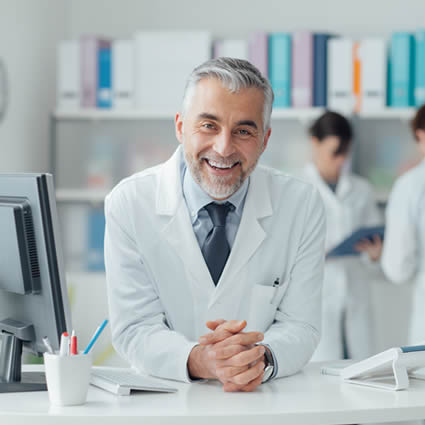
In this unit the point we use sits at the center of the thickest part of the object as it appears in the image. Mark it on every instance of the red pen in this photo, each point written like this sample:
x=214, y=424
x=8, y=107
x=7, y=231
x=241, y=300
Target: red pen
x=74, y=349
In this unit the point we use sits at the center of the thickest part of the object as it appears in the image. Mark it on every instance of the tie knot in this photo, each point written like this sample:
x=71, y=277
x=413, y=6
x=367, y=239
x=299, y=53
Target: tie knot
x=218, y=213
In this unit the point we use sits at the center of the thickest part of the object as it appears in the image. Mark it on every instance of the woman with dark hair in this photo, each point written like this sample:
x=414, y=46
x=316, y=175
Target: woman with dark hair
x=403, y=255
x=350, y=205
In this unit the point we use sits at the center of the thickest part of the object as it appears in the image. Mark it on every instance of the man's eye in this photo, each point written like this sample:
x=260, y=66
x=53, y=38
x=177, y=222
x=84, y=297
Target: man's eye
x=244, y=132
x=208, y=126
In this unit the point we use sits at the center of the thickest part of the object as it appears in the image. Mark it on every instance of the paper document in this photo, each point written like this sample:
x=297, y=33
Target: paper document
x=347, y=246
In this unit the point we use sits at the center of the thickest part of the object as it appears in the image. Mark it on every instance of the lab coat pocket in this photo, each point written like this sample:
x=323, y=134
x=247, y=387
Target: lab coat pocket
x=264, y=302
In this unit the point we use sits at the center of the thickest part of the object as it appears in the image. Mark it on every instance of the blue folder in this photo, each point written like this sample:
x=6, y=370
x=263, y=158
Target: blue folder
x=347, y=246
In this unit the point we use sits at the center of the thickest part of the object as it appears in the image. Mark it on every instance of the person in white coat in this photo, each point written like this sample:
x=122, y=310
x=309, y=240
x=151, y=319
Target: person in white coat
x=349, y=205
x=209, y=239
x=403, y=255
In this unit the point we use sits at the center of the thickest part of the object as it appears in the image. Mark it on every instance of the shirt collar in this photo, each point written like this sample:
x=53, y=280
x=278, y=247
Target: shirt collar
x=196, y=198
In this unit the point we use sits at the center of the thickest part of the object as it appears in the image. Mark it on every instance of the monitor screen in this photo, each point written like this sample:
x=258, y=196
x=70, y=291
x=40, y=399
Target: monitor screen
x=33, y=295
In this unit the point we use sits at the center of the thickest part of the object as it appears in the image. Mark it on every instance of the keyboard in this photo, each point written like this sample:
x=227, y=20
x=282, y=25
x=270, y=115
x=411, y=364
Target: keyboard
x=123, y=381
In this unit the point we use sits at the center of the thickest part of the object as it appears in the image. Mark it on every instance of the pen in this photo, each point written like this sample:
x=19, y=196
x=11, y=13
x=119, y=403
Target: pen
x=74, y=349
x=95, y=336
x=47, y=344
x=64, y=346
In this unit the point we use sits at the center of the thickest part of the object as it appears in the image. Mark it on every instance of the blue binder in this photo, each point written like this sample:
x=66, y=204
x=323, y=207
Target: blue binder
x=402, y=59
x=280, y=68
x=420, y=68
x=104, y=83
x=347, y=246
x=320, y=69
x=96, y=235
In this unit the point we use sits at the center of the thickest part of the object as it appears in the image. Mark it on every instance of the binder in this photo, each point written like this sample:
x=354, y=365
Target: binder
x=280, y=68
x=123, y=63
x=302, y=69
x=164, y=61
x=320, y=67
x=420, y=68
x=258, y=51
x=104, y=84
x=89, y=68
x=402, y=70
x=357, y=77
x=96, y=235
x=340, y=74
x=68, y=71
x=231, y=48
x=373, y=57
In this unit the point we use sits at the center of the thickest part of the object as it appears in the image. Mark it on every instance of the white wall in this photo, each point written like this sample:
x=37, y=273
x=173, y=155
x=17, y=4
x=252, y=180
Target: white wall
x=29, y=32
x=240, y=17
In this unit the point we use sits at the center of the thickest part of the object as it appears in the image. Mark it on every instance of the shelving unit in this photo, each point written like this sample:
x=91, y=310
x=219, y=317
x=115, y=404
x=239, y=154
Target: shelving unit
x=302, y=114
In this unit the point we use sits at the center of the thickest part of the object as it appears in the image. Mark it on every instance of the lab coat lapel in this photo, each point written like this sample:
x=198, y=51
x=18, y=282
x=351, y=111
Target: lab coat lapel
x=178, y=230
x=344, y=186
x=250, y=234
x=330, y=198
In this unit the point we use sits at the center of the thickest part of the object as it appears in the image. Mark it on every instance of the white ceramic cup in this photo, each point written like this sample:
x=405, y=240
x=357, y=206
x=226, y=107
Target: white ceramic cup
x=67, y=378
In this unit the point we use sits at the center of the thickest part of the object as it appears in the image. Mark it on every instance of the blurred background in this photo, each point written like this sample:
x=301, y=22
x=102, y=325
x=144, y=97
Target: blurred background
x=135, y=54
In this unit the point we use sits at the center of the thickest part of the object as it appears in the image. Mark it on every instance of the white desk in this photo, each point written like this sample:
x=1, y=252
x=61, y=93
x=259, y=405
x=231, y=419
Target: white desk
x=305, y=398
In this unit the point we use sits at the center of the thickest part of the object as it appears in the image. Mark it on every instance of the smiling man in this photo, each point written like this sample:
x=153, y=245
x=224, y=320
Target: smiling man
x=210, y=240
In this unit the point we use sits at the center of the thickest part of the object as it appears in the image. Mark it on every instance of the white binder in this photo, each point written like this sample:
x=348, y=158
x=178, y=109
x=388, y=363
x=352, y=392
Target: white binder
x=340, y=75
x=231, y=48
x=373, y=57
x=123, y=78
x=164, y=61
x=68, y=75
x=389, y=369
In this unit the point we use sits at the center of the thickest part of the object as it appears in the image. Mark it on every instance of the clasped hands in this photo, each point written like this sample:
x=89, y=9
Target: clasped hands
x=229, y=355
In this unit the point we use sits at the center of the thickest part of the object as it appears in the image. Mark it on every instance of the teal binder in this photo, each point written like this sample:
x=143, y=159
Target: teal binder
x=420, y=68
x=280, y=68
x=402, y=60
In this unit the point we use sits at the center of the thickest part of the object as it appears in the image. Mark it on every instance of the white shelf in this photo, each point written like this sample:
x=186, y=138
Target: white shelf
x=388, y=113
x=93, y=114
x=302, y=114
x=81, y=195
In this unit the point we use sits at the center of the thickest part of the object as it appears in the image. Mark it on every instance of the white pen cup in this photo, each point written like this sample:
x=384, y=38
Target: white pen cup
x=67, y=378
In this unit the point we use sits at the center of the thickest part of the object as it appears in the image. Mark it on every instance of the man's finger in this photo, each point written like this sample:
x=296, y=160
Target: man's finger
x=249, y=386
x=223, y=331
x=214, y=324
x=225, y=374
x=222, y=353
x=243, y=358
x=230, y=387
x=242, y=338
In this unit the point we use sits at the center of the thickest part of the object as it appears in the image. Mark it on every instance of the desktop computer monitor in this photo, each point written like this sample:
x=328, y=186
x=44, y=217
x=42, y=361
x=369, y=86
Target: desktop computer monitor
x=33, y=295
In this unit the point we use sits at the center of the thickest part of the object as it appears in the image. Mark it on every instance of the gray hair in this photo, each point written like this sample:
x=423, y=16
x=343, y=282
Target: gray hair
x=234, y=74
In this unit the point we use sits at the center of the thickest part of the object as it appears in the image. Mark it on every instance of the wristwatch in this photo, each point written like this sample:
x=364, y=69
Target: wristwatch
x=269, y=365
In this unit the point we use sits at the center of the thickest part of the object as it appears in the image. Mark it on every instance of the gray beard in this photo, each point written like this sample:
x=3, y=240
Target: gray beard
x=217, y=187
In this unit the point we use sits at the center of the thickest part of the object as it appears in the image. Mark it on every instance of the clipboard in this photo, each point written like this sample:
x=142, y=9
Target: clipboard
x=347, y=246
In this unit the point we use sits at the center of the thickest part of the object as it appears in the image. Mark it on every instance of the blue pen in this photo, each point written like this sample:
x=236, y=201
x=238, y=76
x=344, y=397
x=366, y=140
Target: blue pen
x=95, y=336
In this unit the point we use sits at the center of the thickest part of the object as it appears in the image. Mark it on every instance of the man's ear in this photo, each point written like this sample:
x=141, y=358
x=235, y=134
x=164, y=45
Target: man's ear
x=178, y=122
x=266, y=139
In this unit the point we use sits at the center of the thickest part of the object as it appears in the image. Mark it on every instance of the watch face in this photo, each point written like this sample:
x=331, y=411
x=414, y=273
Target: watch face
x=268, y=371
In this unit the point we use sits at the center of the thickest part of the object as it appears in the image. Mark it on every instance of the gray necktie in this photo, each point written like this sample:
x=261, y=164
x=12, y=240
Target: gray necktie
x=216, y=248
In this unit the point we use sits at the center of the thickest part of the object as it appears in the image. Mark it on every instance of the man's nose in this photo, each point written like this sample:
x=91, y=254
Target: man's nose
x=223, y=144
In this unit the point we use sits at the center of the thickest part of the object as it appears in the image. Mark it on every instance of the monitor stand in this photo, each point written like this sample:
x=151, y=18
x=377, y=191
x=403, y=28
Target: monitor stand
x=11, y=377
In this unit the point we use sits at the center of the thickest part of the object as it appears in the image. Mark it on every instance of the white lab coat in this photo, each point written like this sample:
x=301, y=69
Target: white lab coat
x=346, y=292
x=161, y=294
x=403, y=256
